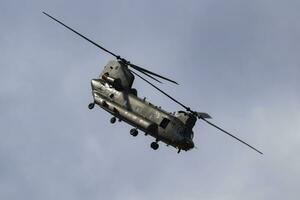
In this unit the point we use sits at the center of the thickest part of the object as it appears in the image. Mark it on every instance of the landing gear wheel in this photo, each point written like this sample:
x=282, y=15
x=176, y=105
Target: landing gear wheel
x=134, y=132
x=113, y=120
x=91, y=106
x=154, y=145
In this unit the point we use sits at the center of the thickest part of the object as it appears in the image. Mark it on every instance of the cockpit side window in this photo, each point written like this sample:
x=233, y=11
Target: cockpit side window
x=164, y=123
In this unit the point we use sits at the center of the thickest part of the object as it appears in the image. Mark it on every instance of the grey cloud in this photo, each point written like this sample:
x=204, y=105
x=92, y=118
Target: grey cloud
x=236, y=60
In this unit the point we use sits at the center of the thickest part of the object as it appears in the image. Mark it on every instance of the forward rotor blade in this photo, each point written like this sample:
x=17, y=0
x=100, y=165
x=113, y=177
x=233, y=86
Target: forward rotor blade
x=230, y=135
x=152, y=73
x=148, y=76
x=142, y=70
x=187, y=108
x=94, y=43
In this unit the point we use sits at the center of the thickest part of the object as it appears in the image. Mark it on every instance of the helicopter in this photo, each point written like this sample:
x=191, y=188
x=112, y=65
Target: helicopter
x=113, y=92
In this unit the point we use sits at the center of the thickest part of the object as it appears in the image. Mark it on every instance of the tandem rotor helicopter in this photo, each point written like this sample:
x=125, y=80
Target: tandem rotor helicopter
x=113, y=92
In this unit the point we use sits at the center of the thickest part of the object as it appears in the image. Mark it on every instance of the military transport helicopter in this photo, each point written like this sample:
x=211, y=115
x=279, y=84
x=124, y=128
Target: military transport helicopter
x=113, y=92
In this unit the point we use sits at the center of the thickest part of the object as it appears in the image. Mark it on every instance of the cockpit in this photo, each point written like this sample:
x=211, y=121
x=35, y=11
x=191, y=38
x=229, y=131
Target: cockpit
x=189, y=122
x=187, y=133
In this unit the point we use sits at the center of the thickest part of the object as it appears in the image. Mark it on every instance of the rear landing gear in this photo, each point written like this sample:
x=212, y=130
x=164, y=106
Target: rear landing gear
x=113, y=120
x=134, y=132
x=91, y=106
x=154, y=145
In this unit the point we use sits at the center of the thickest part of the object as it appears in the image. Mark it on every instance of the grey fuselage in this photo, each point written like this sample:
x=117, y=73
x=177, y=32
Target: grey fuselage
x=173, y=129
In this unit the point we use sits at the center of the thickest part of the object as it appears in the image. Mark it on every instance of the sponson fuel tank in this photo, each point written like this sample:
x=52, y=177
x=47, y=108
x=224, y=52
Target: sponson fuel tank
x=126, y=115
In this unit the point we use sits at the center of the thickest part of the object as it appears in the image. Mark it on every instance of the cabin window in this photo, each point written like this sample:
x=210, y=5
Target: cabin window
x=164, y=123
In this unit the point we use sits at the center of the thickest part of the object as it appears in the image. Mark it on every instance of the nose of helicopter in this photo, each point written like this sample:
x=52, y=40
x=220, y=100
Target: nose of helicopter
x=188, y=144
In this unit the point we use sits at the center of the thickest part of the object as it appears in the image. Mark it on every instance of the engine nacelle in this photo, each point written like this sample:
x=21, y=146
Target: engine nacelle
x=115, y=82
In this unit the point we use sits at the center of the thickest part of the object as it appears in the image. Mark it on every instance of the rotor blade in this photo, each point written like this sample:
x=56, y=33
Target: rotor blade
x=187, y=108
x=230, y=135
x=195, y=113
x=149, y=72
x=148, y=76
x=142, y=70
x=94, y=43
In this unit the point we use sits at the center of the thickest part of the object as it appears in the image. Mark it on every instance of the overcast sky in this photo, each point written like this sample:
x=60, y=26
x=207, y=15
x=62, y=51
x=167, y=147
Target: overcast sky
x=237, y=60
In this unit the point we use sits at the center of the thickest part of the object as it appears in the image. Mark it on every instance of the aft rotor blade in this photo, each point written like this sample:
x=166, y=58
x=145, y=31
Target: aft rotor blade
x=152, y=73
x=94, y=43
x=230, y=135
x=195, y=113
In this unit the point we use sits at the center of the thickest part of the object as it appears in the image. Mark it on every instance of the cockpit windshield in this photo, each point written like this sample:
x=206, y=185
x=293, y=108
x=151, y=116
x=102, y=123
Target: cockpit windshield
x=192, y=135
x=189, y=134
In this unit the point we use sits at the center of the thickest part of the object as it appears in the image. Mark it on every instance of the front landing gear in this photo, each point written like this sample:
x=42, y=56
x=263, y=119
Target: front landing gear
x=154, y=145
x=134, y=132
x=113, y=120
x=91, y=105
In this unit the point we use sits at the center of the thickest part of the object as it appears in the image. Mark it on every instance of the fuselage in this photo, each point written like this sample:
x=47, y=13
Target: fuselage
x=142, y=114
